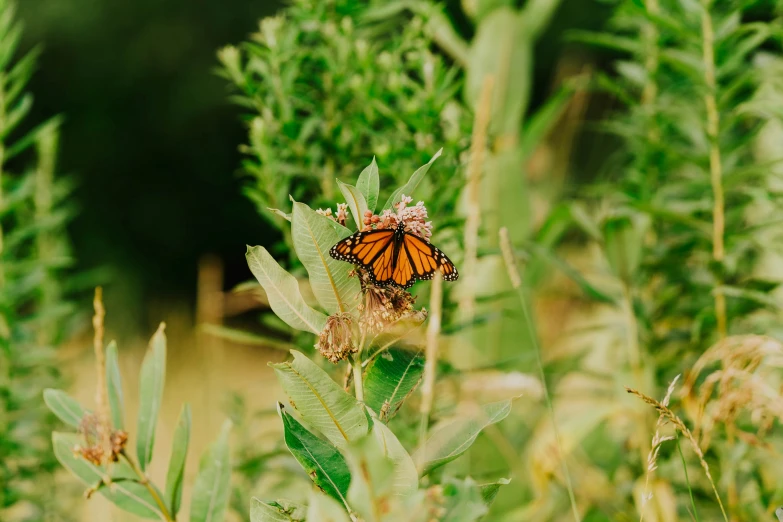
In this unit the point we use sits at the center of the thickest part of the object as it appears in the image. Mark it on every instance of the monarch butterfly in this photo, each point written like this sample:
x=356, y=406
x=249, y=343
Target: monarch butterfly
x=394, y=256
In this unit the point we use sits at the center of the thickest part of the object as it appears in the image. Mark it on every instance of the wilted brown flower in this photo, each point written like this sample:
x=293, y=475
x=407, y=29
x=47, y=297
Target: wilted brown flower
x=335, y=341
x=92, y=430
x=383, y=305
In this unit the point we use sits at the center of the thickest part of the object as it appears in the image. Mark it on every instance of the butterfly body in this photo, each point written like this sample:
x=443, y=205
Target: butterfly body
x=394, y=256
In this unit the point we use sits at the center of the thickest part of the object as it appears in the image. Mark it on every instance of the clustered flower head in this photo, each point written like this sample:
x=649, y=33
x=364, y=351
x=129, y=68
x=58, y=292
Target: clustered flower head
x=335, y=341
x=91, y=429
x=413, y=217
x=382, y=306
x=341, y=216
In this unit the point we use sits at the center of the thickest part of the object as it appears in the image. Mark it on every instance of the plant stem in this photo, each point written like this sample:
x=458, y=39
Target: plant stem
x=356, y=364
x=101, y=388
x=143, y=480
x=431, y=355
x=516, y=283
x=716, y=173
x=687, y=480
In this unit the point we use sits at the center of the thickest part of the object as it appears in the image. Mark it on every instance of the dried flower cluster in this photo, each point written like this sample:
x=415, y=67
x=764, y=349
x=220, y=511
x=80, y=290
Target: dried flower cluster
x=341, y=216
x=92, y=430
x=382, y=306
x=414, y=218
x=336, y=339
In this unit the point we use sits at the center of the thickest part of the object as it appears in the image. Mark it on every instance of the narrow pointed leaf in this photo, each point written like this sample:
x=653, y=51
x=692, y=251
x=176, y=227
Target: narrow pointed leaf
x=64, y=406
x=126, y=494
x=405, y=480
x=369, y=184
x=390, y=379
x=114, y=383
x=276, y=511
x=321, y=402
x=321, y=460
x=283, y=292
x=314, y=235
x=452, y=438
x=356, y=202
x=325, y=509
x=213, y=483
x=179, y=453
x=153, y=376
x=410, y=187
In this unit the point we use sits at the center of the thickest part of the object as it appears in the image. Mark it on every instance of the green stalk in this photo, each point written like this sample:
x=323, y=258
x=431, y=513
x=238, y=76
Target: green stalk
x=516, y=283
x=687, y=480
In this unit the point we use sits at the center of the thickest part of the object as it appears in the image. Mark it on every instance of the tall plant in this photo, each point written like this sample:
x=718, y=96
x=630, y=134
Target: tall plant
x=33, y=255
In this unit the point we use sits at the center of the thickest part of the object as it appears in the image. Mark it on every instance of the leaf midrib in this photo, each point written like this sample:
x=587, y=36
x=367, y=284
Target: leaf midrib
x=325, y=265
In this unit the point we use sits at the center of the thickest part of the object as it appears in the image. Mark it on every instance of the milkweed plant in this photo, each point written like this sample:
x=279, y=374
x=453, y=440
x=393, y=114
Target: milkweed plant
x=339, y=433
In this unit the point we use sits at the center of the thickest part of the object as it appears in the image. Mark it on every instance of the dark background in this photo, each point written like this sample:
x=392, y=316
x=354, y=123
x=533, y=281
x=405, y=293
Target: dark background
x=152, y=140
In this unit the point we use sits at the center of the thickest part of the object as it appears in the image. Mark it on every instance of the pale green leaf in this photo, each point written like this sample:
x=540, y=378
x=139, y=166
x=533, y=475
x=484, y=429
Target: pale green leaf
x=314, y=235
x=371, y=493
x=179, y=453
x=490, y=491
x=356, y=202
x=321, y=402
x=64, y=407
x=452, y=438
x=410, y=187
x=126, y=494
x=283, y=293
x=276, y=511
x=213, y=483
x=153, y=377
x=405, y=477
x=325, y=509
x=114, y=385
x=369, y=184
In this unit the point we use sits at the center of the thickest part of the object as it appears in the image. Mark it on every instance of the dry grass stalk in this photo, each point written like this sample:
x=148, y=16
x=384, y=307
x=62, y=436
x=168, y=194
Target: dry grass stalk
x=104, y=428
x=467, y=302
x=431, y=354
x=670, y=416
x=655, y=449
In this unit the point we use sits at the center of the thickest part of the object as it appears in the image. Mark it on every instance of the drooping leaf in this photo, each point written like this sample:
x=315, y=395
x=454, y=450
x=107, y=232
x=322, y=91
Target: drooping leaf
x=452, y=438
x=490, y=491
x=324, y=509
x=64, y=407
x=356, y=202
x=179, y=453
x=369, y=184
x=314, y=235
x=152, y=379
x=114, y=385
x=283, y=293
x=125, y=493
x=390, y=378
x=276, y=511
x=321, y=402
x=321, y=460
x=213, y=483
x=410, y=187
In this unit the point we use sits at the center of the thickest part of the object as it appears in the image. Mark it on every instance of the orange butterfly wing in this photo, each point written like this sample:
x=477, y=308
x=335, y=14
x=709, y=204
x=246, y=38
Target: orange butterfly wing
x=390, y=260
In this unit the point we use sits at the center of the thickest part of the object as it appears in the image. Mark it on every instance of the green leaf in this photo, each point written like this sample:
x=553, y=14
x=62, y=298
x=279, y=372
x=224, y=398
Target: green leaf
x=280, y=511
x=369, y=185
x=323, y=509
x=544, y=119
x=179, y=453
x=490, y=491
x=280, y=213
x=356, y=202
x=452, y=438
x=64, y=406
x=153, y=376
x=390, y=378
x=213, y=483
x=405, y=477
x=114, y=384
x=321, y=402
x=125, y=494
x=322, y=461
x=314, y=235
x=756, y=296
x=371, y=491
x=283, y=293
x=572, y=273
x=462, y=501
x=410, y=187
